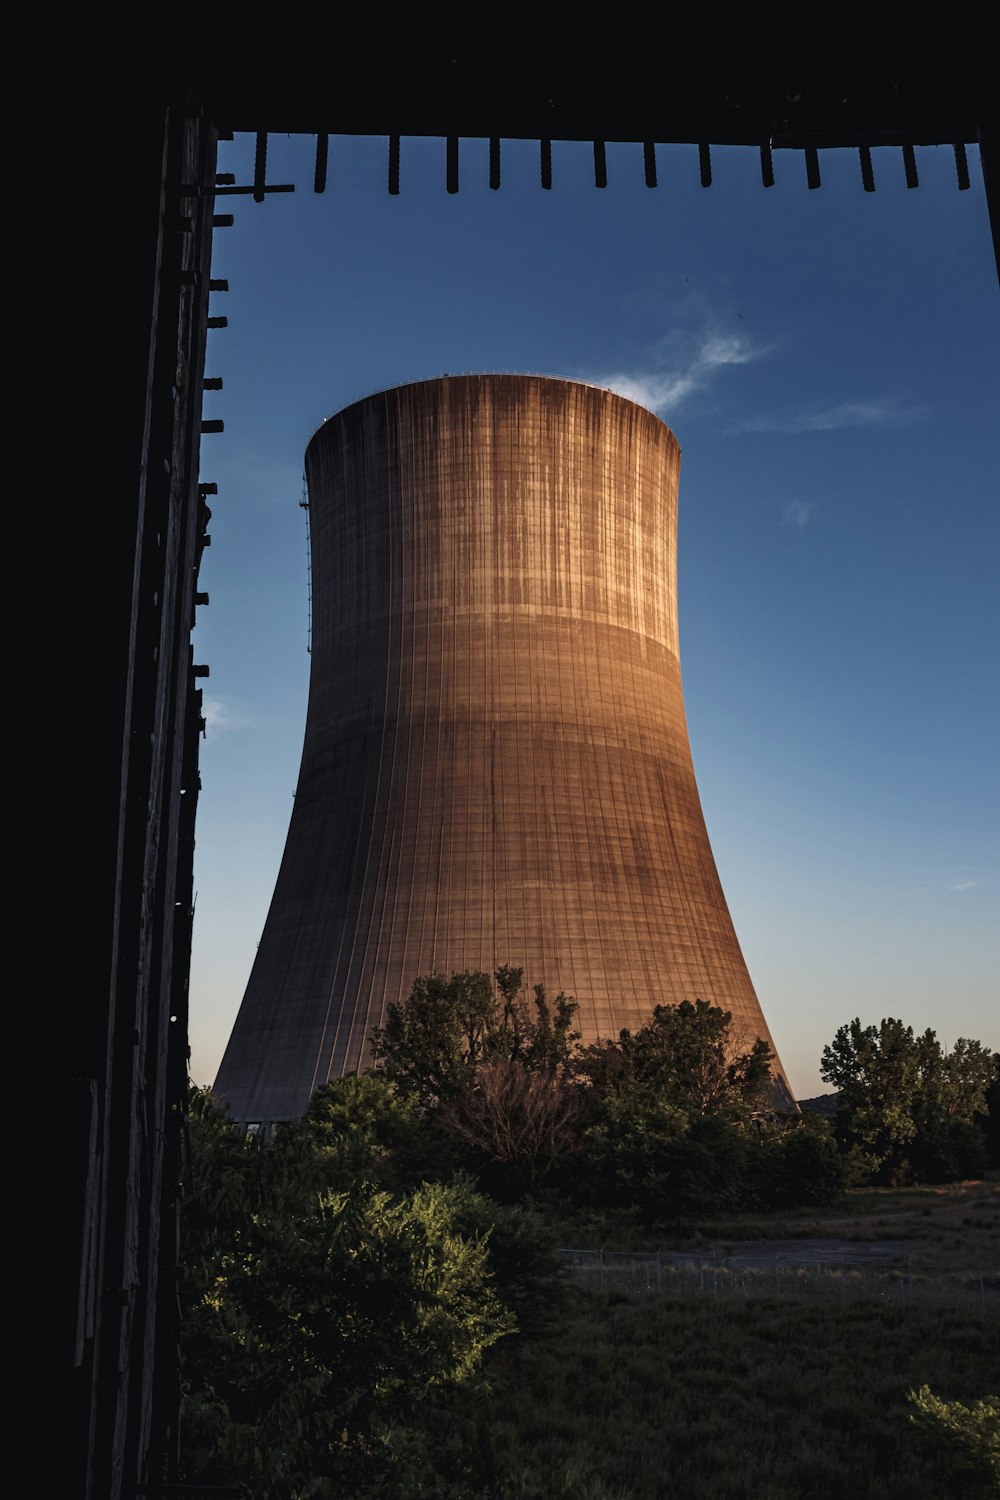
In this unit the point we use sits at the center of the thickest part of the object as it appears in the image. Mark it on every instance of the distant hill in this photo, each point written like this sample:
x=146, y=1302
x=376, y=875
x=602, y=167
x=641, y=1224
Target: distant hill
x=823, y=1104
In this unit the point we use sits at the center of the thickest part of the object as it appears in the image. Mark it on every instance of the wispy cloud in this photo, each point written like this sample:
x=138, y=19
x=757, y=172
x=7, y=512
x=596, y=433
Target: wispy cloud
x=676, y=375
x=934, y=888
x=798, y=513
x=224, y=716
x=889, y=411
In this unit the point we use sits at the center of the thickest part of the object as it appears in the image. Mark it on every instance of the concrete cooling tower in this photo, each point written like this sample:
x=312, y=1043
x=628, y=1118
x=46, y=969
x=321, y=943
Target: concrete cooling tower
x=496, y=766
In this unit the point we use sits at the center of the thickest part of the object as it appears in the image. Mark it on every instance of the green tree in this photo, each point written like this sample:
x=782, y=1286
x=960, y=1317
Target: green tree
x=320, y=1325
x=433, y=1045
x=629, y=1153
x=875, y=1070
x=673, y=1114
x=362, y=1126
x=989, y=1117
x=800, y=1165
x=690, y=1056
x=970, y=1430
x=953, y=1096
x=906, y=1106
x=490, y=1070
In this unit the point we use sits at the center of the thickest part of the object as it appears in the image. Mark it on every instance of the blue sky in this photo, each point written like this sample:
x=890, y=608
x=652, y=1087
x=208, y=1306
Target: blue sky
x=827, y=360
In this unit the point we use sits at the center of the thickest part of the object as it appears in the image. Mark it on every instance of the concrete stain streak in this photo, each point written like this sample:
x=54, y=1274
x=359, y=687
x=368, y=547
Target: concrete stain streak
x=496, y=765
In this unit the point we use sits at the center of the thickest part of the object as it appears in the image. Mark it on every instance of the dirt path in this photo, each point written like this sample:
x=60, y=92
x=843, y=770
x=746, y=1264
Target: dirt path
x=815, y=1252
x=918, y=1215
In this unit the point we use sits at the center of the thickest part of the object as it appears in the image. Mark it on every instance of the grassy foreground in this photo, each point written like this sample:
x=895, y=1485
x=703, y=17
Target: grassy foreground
x=631, y=1399
x=945, y=1225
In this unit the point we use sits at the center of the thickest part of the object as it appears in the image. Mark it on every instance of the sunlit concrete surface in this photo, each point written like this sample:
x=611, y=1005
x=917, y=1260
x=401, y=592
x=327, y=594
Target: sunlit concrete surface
x=496, y=766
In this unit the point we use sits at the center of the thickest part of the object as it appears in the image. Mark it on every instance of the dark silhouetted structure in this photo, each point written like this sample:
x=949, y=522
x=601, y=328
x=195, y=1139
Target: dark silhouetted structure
x=126, y=258
x=496, y=765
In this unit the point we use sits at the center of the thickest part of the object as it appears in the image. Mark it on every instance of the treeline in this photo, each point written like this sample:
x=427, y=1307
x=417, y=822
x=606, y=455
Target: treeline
x=346, y=1279
x=670, y=1121
x=677, y=1119
x=907, y=1110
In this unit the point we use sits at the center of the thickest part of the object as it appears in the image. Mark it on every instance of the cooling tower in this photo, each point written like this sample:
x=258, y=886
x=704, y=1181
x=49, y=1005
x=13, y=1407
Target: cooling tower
x=496, y=766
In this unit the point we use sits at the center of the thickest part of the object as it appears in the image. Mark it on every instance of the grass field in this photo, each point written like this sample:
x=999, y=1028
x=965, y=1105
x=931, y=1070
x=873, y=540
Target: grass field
x=942, y=1221
x=632, y=1396
x=631, y=1399
x=954, y=1221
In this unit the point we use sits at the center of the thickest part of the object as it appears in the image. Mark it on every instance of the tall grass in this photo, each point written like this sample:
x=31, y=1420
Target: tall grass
x=631, y=1399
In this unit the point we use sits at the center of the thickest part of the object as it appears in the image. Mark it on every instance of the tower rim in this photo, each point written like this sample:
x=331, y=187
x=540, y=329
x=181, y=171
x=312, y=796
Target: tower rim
x=471, y=375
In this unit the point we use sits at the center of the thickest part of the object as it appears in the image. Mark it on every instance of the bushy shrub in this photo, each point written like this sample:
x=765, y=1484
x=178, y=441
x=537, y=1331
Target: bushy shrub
x=907, y=1109
x=320, y=1322
x=528, y=1274
x=801, y=1167
x=971, y=1431
x=362, y=1126
x=949, y=1152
